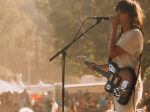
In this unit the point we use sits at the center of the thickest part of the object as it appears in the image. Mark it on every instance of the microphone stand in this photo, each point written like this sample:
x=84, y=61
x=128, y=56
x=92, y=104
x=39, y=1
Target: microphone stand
x=63, y=51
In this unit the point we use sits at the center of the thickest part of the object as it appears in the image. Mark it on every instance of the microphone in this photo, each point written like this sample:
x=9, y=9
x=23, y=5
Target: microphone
x=100, y=17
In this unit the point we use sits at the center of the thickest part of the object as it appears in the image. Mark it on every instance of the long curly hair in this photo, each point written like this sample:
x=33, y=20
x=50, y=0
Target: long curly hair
x=134, y=11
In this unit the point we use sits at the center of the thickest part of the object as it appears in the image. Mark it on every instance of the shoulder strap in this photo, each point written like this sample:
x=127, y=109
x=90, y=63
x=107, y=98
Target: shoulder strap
x=140, y=62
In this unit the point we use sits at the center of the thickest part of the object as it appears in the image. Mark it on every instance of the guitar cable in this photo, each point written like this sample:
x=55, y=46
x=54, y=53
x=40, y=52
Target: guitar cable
x=81, y=27
x=76, y=36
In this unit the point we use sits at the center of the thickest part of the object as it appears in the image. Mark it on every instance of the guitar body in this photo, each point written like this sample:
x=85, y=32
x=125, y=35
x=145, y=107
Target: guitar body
x=120, y=81
x=126, y=85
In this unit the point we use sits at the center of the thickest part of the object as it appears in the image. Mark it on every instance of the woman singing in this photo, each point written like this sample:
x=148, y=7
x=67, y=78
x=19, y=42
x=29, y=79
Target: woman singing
x=126, y=47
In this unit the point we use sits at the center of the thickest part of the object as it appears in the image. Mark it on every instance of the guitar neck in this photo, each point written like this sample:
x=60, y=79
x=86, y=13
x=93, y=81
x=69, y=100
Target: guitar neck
x=98, y=70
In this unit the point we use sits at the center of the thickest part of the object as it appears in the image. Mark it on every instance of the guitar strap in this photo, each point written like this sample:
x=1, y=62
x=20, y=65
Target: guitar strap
x=138, y=72
x=139, y=66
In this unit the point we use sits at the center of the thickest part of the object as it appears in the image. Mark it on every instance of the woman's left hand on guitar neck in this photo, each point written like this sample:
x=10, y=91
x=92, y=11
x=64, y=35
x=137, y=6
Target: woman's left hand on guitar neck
x=103, y=67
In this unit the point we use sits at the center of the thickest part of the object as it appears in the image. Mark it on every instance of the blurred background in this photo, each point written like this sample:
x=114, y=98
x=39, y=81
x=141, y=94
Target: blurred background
x=32, y=31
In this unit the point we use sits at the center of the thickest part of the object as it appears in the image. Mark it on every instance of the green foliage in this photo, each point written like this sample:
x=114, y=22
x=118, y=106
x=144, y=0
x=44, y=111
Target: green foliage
x=67, y=15
x=24, y=36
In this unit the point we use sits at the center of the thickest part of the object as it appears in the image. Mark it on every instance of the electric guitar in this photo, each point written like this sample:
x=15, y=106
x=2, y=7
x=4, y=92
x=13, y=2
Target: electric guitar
x=120, y=81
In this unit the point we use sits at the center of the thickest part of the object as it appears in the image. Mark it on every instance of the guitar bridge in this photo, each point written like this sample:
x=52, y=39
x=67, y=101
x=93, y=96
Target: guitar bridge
x=114, y=79
x=111, y=77
x=117, y=80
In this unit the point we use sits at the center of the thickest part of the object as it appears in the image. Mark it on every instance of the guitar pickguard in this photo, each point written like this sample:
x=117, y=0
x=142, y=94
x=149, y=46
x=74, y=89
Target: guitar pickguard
x=113, y=82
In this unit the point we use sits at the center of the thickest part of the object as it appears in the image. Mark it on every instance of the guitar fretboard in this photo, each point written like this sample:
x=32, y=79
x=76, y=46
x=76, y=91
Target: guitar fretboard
x=97, y=69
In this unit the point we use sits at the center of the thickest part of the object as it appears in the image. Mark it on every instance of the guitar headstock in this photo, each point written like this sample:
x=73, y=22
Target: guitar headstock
x=80, y=59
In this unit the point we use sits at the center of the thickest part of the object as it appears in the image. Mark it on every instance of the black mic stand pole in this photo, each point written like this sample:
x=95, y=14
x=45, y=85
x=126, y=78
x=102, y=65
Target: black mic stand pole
x=64, y=53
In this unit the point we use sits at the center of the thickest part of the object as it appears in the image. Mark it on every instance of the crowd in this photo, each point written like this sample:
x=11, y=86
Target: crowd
x=12, y=102
x=88, y=102
x=82, y=101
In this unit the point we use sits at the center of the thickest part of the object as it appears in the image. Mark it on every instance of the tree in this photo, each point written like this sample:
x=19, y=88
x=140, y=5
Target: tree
x=21, y=29
x=66, y=16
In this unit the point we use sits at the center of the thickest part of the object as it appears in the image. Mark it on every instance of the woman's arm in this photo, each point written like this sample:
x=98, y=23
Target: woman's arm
x=113, y=49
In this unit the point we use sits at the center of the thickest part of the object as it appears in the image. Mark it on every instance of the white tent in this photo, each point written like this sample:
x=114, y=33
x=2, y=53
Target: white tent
x=3, y=86
x=40, y=87
x=20, y=87
x=92, y=79
x=11, y=87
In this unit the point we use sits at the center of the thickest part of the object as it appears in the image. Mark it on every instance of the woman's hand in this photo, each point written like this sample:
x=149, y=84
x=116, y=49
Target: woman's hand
x=91, y=66
x=112, y=41
x=103, y=67
x=114, y=23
